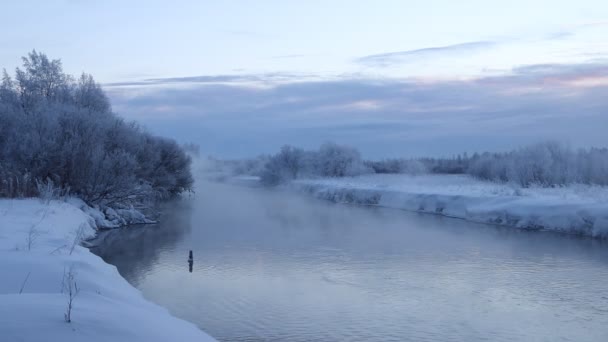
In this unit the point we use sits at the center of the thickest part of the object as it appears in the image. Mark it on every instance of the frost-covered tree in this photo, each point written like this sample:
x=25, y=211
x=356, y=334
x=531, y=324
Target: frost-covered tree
x=335, y=160
x=543, y=164
x=283, y=166
x=89, y=95
x=58, y=129
x=330, y=160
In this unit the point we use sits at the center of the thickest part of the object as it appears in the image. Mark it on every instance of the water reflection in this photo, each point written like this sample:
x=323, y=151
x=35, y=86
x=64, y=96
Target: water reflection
x=135, y=250
x=275, y=266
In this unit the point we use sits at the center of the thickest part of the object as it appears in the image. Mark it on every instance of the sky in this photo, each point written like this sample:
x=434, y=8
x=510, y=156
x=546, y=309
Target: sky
x=393, y=78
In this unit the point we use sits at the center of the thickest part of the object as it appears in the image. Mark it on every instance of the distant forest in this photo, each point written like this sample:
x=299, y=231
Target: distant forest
x=58, y=133
x=544, y=164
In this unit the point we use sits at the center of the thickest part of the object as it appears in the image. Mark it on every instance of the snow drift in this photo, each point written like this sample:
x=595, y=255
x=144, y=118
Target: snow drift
x=576, y=209
x=38, y=246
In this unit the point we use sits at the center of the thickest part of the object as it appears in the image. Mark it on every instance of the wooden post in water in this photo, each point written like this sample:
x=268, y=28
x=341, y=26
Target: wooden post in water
x=190, y=261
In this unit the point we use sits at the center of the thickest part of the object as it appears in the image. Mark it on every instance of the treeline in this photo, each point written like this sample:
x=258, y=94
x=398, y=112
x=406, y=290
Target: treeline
x=543, y=164
x=396, y=165
x=60, y=132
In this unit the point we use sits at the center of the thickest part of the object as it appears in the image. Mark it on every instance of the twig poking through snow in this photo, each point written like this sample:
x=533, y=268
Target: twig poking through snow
x=24, y=282
x=77, y=237
x=70, y=288
x=57, y=249
x=33, y=233
x=32, y=236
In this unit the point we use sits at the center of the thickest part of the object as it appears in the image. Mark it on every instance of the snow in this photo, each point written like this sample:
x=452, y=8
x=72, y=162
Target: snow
x=107, y=307
x=578, y=209
x=108, y=218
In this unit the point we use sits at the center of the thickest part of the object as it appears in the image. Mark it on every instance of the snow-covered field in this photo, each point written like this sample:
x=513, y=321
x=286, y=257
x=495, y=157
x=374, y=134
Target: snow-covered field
x=578, y=209
x=37, y=256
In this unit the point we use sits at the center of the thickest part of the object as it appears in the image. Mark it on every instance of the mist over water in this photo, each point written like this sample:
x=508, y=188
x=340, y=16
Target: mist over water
x=276, y=266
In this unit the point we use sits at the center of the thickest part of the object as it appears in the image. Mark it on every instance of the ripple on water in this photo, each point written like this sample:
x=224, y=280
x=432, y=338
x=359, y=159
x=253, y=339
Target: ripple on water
x=277, y=269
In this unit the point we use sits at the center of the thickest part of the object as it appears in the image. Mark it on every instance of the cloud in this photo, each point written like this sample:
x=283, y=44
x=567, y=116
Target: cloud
x=218, y=79
x=382, y=117
x=399, y=57
x=553, y=76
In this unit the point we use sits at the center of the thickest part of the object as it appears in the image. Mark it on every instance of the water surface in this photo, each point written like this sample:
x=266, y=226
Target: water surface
x=273, y=266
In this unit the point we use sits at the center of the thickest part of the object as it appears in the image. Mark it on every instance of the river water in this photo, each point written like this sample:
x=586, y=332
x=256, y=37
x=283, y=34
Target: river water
x=276, y=266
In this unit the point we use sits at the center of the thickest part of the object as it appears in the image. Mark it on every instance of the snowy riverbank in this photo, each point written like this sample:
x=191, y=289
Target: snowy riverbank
x=37, y=255
x=577, y=209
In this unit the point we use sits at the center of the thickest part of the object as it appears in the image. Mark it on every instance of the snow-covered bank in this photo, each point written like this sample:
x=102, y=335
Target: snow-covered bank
x=577, y=209
x=38, y=252
x=108, y=218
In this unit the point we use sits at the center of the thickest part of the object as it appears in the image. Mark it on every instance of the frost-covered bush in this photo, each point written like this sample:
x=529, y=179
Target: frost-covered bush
x=544, y=164
x=283, y=166
x=330, y=160
x=333, y=160
x=58, y=130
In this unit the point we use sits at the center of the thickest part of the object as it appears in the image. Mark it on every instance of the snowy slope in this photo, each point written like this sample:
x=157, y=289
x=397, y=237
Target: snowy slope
x=578, y=209
x=36, y=238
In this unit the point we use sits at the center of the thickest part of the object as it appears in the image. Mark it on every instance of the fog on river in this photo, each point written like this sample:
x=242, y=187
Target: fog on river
x=270, y=266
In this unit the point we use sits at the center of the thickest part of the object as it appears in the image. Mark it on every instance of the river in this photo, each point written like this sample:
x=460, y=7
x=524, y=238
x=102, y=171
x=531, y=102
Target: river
x=276, y=266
